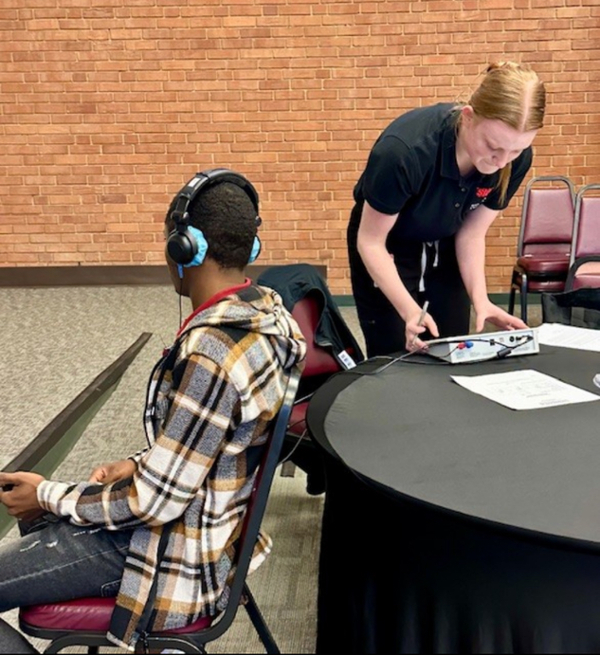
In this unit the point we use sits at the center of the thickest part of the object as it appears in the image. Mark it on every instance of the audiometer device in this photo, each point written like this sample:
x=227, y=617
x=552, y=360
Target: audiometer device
x=484, y=346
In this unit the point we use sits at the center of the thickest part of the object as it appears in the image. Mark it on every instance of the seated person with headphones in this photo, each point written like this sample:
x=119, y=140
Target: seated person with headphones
x=210, y=402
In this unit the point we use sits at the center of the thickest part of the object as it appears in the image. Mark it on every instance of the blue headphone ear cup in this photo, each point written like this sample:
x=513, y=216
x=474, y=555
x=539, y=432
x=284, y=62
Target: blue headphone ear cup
x=201, y=244
x=256, y=247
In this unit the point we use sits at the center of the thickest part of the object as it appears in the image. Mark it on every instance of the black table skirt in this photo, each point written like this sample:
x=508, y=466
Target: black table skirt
x=406, y=567
x=399, y=576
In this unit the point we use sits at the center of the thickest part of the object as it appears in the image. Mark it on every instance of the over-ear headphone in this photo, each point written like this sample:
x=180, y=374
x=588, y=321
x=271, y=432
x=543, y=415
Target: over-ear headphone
x=186, y=244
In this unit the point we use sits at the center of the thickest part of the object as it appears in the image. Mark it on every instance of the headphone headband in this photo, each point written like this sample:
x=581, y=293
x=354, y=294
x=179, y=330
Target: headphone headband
x=203, y=180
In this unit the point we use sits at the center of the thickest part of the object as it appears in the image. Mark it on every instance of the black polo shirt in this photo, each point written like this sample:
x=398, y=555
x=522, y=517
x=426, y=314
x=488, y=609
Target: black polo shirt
x=412, y=171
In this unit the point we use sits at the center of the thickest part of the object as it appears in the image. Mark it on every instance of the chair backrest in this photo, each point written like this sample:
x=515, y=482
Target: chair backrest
x=331, y=345
x=255, y=511
x=586, y=231
x=319, y=361
x=548, y=215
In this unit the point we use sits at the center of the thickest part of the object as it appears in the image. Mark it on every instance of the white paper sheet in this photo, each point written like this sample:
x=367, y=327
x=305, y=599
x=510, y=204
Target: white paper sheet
x=567, y=336
x=526, y=389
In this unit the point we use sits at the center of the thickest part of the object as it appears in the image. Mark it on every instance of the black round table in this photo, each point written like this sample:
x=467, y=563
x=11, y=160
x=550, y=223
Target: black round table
x=454, y=524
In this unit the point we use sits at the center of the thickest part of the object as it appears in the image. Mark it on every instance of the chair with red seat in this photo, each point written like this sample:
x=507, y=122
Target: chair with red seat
x=85, y=622
x=584, y=270
x=320, y=365
x=544, y=246
x=332, y=348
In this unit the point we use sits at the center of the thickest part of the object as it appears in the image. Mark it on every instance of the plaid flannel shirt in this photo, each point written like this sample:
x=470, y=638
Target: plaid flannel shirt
x=210, y=402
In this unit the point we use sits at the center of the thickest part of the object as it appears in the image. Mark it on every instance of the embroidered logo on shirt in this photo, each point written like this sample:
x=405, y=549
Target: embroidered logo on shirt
x=482, y=193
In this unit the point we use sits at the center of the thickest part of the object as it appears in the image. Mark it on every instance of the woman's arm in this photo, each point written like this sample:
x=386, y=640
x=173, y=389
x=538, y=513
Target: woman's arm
x=470, y=252
x=372, y=234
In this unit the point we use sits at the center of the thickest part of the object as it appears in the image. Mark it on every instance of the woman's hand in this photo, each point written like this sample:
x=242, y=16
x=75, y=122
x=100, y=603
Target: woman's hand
x=490, y=313
x=416, y=327
x=113, y=471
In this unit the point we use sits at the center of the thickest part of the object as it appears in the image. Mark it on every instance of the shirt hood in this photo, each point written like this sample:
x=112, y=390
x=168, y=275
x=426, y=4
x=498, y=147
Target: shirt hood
x=254, y=309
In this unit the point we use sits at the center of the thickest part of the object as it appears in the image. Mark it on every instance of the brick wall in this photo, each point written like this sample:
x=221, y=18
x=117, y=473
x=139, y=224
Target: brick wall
x=107, y=107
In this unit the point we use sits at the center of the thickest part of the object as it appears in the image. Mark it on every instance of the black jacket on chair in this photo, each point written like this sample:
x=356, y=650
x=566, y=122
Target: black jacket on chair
x=293, y=282
x=301, y=286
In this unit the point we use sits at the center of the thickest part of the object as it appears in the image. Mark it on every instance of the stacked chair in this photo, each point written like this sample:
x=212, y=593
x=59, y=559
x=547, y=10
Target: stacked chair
x=545, y=236
x=584, y=268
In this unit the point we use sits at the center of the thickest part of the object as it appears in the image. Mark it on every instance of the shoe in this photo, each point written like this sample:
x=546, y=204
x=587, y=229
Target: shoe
x=315, y=483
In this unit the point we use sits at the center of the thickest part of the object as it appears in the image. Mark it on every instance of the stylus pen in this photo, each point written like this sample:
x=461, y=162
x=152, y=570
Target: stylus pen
x=421, y=319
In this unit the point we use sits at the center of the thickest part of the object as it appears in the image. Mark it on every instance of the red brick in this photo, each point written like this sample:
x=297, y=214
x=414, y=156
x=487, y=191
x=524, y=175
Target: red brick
x=104, y=111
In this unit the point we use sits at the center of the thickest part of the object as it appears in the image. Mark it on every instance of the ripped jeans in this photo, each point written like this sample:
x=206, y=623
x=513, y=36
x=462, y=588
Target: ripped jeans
x=58, y=562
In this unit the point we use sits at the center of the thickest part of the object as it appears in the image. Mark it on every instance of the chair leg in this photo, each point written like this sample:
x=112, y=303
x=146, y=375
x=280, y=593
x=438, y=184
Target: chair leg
x=512, y=295
x=259, y=623
x=511, y=300
x=288, y=469
x=524, y=298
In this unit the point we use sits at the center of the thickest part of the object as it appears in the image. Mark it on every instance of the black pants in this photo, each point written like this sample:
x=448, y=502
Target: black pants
x=449, y=303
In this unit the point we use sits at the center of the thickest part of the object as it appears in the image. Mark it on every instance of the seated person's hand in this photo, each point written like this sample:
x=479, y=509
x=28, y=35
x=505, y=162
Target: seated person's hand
x=19, y=494
x=113, y=471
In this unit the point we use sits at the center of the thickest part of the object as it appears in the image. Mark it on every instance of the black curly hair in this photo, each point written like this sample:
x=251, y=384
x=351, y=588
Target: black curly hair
x=227, y=218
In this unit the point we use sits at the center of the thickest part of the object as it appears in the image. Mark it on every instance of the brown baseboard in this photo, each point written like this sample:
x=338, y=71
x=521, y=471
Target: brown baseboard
x=61, y=276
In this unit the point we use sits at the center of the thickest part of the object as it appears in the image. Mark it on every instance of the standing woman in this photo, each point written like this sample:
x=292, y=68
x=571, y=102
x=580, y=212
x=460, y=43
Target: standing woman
x=435, y=180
